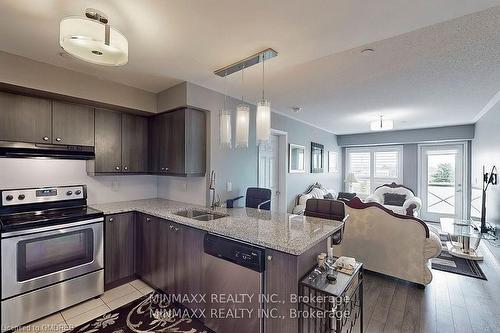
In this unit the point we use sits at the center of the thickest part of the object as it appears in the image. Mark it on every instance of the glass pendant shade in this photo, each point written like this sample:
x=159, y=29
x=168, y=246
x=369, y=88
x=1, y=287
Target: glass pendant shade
x=225, y=129
x=242, y=125
x=89, y=40
x=263, y=121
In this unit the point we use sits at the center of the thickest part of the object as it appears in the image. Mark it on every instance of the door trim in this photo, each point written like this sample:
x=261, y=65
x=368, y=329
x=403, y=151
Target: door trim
x=282, y=167
x=465, y=170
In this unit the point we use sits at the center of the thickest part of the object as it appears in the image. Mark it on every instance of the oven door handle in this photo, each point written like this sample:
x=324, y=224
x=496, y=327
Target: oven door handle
x=56, y=227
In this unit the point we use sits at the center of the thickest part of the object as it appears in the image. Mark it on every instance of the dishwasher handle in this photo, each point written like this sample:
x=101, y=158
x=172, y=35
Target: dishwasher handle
x=239, y=253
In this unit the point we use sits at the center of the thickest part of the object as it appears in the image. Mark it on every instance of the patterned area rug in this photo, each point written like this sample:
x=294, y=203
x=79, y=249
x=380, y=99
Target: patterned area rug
x=151, y=313
x=448, y=263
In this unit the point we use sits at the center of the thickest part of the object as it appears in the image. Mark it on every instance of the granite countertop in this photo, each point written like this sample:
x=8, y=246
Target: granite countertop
x=293, y=234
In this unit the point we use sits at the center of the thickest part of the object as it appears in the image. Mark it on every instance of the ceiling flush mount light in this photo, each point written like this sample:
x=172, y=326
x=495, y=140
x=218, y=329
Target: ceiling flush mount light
x=381, y=125
x=93, y=40
x=296, y=109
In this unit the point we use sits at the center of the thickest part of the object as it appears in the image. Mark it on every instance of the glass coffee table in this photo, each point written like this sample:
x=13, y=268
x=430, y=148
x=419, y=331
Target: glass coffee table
x=468, y=238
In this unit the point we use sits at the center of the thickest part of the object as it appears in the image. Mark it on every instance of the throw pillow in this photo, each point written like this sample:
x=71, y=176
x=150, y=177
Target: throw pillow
x=317, y=193
x=328, y=196
x=303, y=199
x=394, y=199
x=346, y=196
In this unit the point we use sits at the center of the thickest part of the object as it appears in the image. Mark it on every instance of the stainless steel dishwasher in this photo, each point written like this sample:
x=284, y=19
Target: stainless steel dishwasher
x=234, y=281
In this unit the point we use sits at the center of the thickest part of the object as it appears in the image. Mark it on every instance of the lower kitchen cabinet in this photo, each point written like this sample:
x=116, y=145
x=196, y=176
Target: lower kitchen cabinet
x=169, y=255
x=190, y=264
x=146, y=229
x=119, y=254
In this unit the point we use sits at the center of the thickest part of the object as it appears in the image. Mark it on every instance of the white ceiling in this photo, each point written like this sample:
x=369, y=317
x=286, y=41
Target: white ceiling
x=424, y=73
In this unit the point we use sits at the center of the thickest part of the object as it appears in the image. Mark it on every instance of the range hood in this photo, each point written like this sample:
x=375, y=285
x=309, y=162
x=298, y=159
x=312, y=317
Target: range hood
x=43, y=150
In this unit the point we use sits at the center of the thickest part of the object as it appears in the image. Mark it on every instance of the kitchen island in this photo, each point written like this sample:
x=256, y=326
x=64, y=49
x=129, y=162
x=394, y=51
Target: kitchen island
x=169, y=248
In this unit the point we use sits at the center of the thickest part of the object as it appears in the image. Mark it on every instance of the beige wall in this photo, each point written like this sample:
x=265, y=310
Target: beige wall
x=32, y=74
x=173, y=97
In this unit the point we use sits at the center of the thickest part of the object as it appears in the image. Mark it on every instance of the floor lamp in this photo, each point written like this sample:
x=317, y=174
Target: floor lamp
x=350, y=179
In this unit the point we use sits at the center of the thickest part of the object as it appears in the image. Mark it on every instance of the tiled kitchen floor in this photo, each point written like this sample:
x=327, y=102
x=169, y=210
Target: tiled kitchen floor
x=91, y=309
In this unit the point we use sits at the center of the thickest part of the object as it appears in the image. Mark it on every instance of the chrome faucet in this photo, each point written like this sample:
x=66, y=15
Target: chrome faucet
x=214, y=202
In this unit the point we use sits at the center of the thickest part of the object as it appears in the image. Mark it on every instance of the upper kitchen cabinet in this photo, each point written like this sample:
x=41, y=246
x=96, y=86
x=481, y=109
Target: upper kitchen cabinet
x=135, y=139
x=178, y=143
x=25, y=119
x=108, y=142
x=121, y=143
x=72, y=124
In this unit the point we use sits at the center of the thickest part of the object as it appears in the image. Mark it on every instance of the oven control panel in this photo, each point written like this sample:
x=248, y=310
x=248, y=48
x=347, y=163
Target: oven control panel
x=44, y=194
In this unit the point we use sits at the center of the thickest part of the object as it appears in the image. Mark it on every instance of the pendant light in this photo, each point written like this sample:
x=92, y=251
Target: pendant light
x=225, y=123
x=381, y=125
x=242, y=120
x=93, y=40
x=263, y=117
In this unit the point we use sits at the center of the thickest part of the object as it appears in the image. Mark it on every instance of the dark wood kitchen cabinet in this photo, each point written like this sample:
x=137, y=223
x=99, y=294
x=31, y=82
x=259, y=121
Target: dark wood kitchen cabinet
x=72, y=124
x=135, y=143
x=155, y=257
x=178, y=143
x=25, y=119
x=151, y=249
x=121, y=144
x=189, y=265
x=120, y=245
x=142, y=249
x=108, y=142
x=169, y=255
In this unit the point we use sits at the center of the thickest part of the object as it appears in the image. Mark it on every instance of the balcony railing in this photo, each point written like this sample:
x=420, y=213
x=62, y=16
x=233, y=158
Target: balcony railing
x=441, y=198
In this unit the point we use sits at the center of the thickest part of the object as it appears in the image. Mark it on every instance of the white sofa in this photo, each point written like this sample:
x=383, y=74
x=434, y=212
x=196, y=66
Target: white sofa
x=316, y=191
x=411, y=205
x=389, y=243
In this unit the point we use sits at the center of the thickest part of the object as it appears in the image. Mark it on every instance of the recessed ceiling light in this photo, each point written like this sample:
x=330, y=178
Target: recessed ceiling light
x=368, y=51
x=296, y=109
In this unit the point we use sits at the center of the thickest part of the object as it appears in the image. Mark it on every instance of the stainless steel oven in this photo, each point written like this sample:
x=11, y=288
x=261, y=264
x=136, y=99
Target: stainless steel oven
x=36, y=258
x=52, y=252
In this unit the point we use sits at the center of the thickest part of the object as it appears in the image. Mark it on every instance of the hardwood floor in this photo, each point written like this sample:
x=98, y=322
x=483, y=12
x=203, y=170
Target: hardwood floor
x=451, y=303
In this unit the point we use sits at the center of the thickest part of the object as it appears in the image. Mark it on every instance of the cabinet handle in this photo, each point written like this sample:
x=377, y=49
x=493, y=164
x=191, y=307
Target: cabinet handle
x=45, y=138
x=166, y=169
x=117, y=168
x=148, y=219
x=269, y=258
x=58, y=139
x=176, y=229
x=162, y=169
x=111, y=219
x=125, y=168
x=171, y=227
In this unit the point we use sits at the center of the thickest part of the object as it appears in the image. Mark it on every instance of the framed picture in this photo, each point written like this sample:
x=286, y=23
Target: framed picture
x=333, y=161
x=296, y=159
x=317, y=157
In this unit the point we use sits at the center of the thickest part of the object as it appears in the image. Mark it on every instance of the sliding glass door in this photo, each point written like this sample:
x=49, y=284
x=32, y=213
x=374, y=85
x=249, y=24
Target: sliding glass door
x=442, y=181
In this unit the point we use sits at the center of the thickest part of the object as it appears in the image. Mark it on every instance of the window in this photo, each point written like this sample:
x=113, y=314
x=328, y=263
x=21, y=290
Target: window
x=373, y=166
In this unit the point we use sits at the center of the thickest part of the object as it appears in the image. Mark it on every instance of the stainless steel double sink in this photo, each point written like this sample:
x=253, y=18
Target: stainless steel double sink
x=200, y=215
